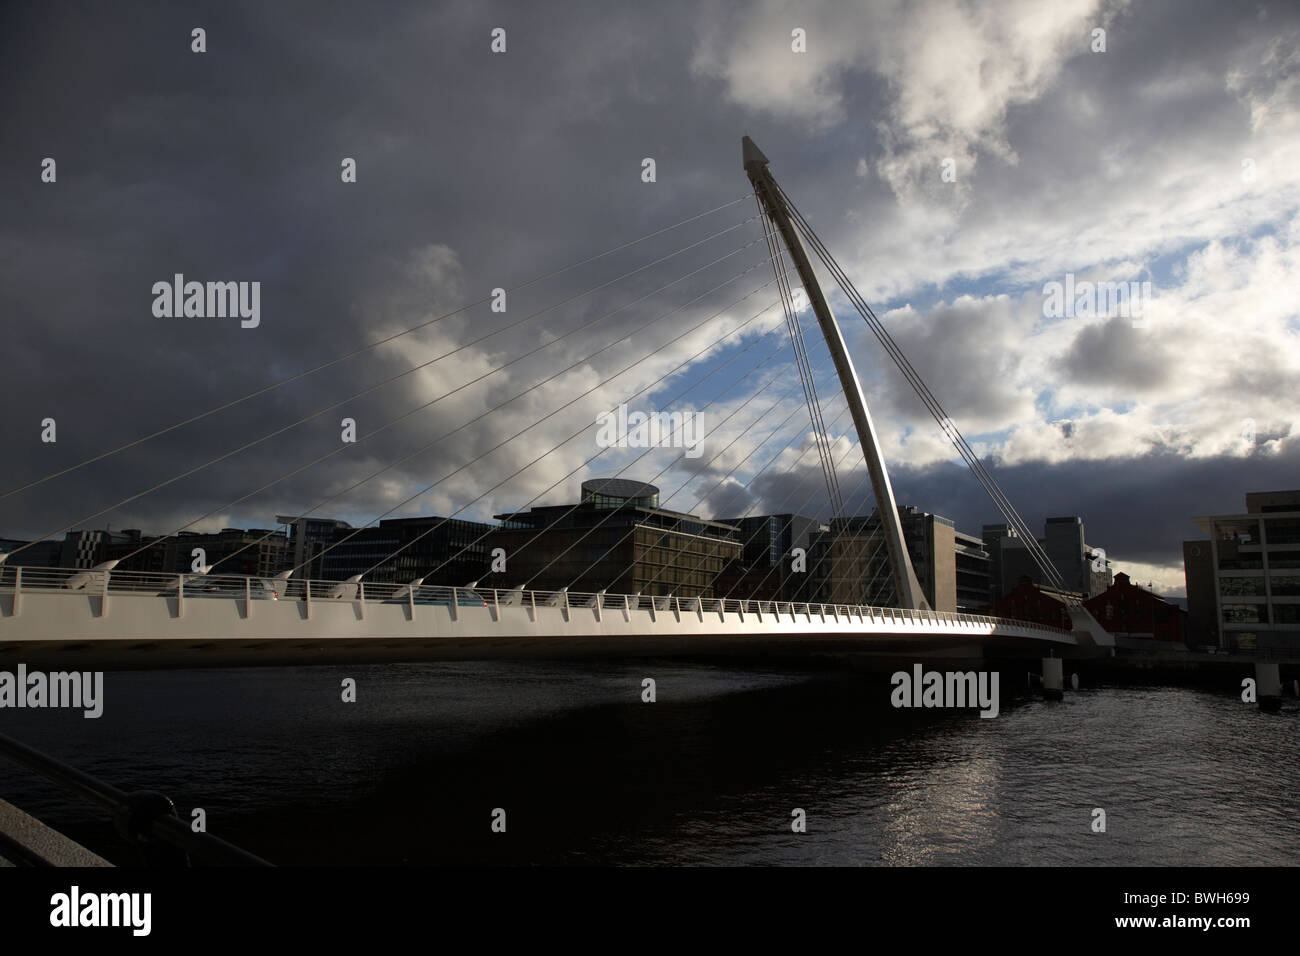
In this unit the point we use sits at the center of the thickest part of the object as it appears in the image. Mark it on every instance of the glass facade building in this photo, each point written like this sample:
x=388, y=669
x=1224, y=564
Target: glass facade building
x=615, y=539
x=445, y=551
x=1248, y=574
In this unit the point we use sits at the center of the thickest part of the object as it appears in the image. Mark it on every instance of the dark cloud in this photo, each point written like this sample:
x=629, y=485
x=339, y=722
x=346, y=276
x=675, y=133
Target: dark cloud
x=1138, y=509
x=969, y=353
x=1114, y=353
x=478, y=171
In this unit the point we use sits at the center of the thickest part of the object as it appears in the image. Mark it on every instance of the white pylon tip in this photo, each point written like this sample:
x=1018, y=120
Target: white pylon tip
x=751, y=153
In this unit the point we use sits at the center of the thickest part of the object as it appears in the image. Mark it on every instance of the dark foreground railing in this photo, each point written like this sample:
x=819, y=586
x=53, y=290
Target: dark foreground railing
x=145, y=818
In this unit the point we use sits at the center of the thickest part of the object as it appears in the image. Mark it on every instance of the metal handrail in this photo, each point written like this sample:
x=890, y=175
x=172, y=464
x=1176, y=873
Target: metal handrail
x=21, y=579
x=142, y=816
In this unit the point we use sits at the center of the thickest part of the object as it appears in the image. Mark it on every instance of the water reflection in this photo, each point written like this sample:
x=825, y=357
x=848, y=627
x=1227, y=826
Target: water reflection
x=709, y=774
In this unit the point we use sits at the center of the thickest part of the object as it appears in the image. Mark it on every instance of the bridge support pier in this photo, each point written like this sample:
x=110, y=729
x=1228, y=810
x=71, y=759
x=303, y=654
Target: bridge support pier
x=1268, y=685
x=1053, y=678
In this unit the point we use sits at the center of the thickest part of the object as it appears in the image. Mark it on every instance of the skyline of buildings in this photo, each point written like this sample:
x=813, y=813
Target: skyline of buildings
x=1084, y=570
x=643, y=544
x=1243, y=580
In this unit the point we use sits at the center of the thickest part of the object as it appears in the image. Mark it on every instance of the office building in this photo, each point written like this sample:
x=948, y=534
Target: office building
x=617, y=539
x=851, y=565
x=35, y=554
x=308, y=538
x=1083, y=568
x=446, y=551
x=260, y=552
x=1202, y=602
x=768, y=568
x=81, y=550
x=255, y=551
x=1253, y=576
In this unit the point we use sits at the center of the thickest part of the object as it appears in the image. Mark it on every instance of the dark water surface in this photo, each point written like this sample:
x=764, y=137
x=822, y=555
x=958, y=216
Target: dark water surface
x=709, y=774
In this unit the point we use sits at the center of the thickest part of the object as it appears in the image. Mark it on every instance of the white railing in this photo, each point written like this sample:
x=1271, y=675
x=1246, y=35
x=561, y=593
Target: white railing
x=17, y=580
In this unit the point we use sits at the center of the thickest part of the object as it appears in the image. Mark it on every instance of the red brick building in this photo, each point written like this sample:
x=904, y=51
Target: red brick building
x=1029, y=602
x=1127, y=610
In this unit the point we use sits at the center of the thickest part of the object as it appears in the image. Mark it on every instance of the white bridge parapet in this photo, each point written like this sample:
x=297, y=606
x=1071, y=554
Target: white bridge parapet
x=45, y=606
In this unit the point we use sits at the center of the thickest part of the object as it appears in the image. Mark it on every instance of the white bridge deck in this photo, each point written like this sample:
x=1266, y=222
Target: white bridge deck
x=142, y=616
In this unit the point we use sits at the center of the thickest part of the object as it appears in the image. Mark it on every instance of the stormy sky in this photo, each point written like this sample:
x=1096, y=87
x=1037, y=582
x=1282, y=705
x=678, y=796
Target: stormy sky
x=956, y=157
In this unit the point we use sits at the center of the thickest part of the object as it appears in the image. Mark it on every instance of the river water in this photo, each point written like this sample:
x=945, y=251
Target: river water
x=710, y=773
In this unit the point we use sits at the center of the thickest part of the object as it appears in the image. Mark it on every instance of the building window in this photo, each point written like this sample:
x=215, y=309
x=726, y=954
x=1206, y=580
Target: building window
x=1242, y=587
x=1282, y=531
x=1285, y=584
x=1245, y=614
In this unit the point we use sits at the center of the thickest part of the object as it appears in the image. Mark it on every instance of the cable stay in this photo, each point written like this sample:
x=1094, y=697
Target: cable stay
x=386, y=425
x=357, y=351
x=585, y=464
x=513, y=475
x=527, y=428
x=805, y=370
x=906, y=585
x=662, y=471
x=625, y=468
x=881, y=568
x=945, y=422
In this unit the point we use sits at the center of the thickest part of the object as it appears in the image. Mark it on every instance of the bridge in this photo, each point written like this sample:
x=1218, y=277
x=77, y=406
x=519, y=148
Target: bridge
x=127, y=618
x=135, y=619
